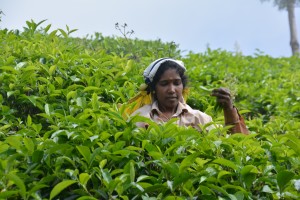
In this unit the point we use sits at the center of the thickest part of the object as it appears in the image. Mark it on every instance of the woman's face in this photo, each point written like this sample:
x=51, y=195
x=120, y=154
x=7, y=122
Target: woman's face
x=168, y=90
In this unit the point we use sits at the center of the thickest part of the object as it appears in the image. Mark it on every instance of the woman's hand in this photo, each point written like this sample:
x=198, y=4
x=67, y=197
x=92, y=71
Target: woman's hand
x=223, y=98
x=231, y=115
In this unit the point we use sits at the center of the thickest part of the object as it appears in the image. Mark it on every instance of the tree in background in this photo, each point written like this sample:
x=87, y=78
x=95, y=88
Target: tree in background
x=290, y=5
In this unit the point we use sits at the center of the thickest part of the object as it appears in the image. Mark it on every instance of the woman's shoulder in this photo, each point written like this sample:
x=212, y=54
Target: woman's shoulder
x=143, y=111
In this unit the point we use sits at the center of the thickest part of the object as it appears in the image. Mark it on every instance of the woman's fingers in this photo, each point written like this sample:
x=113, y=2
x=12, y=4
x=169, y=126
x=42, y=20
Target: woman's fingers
x=221, y=91
x=223, y=97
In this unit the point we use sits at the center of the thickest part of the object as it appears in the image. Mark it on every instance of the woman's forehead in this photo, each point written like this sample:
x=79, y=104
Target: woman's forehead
x=170, y=74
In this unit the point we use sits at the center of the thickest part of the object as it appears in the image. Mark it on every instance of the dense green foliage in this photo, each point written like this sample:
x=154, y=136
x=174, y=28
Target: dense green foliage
x=62, y=134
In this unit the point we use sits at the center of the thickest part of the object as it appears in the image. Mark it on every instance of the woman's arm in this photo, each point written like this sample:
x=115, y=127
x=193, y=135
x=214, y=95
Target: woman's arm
x=231, y=114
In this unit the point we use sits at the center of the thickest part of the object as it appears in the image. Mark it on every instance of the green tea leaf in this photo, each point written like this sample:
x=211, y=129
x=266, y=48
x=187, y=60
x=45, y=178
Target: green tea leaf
x=209, y=90
x=283, y=178
x=71, y=31
x=106, y=176
x=7, y=194
x=86, y=198
x=3, y=147
x=91, y=88
x=19, y=182
x=223, y=173
x=59, y=80
x=239, y=195
x=84, y=178
x=29, y=145
x=85, y=152
x=267, y=189
x=8, y=68
x=132, y=171
x=52, y=69
x=205, y=190
x=48, y=109
x=71, y=94
x=37, y=156
x=15, y=141
x=248, y=173
x=53, y=34
x=143, y=177
x=248, y=169
x=6, y=126
x=95, y=102
x=181, y=178
x=81, y=102
x=63, y=33
x=37, y=187
x=103, y=163
x=187, y=162
x=60, y=187
x=47, y=28
x=29, y=120
x=225, y=162
x=156, y=155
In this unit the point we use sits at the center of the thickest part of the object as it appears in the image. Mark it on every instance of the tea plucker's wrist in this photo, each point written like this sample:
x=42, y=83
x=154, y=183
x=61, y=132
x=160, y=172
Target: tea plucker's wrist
x=231, y=115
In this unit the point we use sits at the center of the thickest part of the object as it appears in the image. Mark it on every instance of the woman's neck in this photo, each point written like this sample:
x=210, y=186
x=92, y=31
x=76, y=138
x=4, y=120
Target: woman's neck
x=170, y=111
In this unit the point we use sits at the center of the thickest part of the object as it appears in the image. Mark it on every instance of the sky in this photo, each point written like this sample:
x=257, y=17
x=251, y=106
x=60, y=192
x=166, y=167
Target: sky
x=247, y=26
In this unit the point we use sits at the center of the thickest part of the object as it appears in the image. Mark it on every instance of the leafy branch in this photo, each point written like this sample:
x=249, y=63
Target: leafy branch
x=123, y=31
x=128, y=43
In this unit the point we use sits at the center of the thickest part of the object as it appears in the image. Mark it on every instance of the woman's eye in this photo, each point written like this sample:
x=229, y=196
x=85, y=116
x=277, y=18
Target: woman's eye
x=177, y=82
x=163, y=83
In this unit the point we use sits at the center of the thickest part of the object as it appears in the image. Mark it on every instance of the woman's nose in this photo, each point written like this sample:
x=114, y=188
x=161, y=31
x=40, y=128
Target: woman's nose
x=171, y=88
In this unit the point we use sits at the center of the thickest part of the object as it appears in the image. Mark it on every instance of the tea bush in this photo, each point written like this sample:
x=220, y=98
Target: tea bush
x=63, y=135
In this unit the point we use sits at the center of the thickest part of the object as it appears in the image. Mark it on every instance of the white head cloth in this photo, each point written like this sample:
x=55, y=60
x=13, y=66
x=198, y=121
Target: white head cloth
x=151, y=70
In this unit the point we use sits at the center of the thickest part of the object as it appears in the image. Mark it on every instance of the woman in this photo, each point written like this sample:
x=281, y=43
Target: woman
x=166, y=83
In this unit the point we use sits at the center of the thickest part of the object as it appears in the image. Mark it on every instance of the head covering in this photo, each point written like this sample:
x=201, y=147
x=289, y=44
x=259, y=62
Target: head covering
x=151, y=70
x=144, y=97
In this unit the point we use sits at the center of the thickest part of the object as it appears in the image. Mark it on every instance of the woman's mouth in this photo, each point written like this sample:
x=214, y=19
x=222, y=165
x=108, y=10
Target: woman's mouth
x=171, y=98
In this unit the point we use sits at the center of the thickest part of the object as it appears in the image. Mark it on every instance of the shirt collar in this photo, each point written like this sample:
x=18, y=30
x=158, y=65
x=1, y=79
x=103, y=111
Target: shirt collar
x=181, y=108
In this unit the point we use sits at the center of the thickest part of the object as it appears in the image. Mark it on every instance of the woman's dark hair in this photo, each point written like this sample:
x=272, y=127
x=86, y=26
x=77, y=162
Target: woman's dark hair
x=164, y=67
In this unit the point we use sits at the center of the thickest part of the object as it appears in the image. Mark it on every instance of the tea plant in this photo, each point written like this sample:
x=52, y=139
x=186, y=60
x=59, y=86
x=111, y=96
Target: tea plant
x=63, y=135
